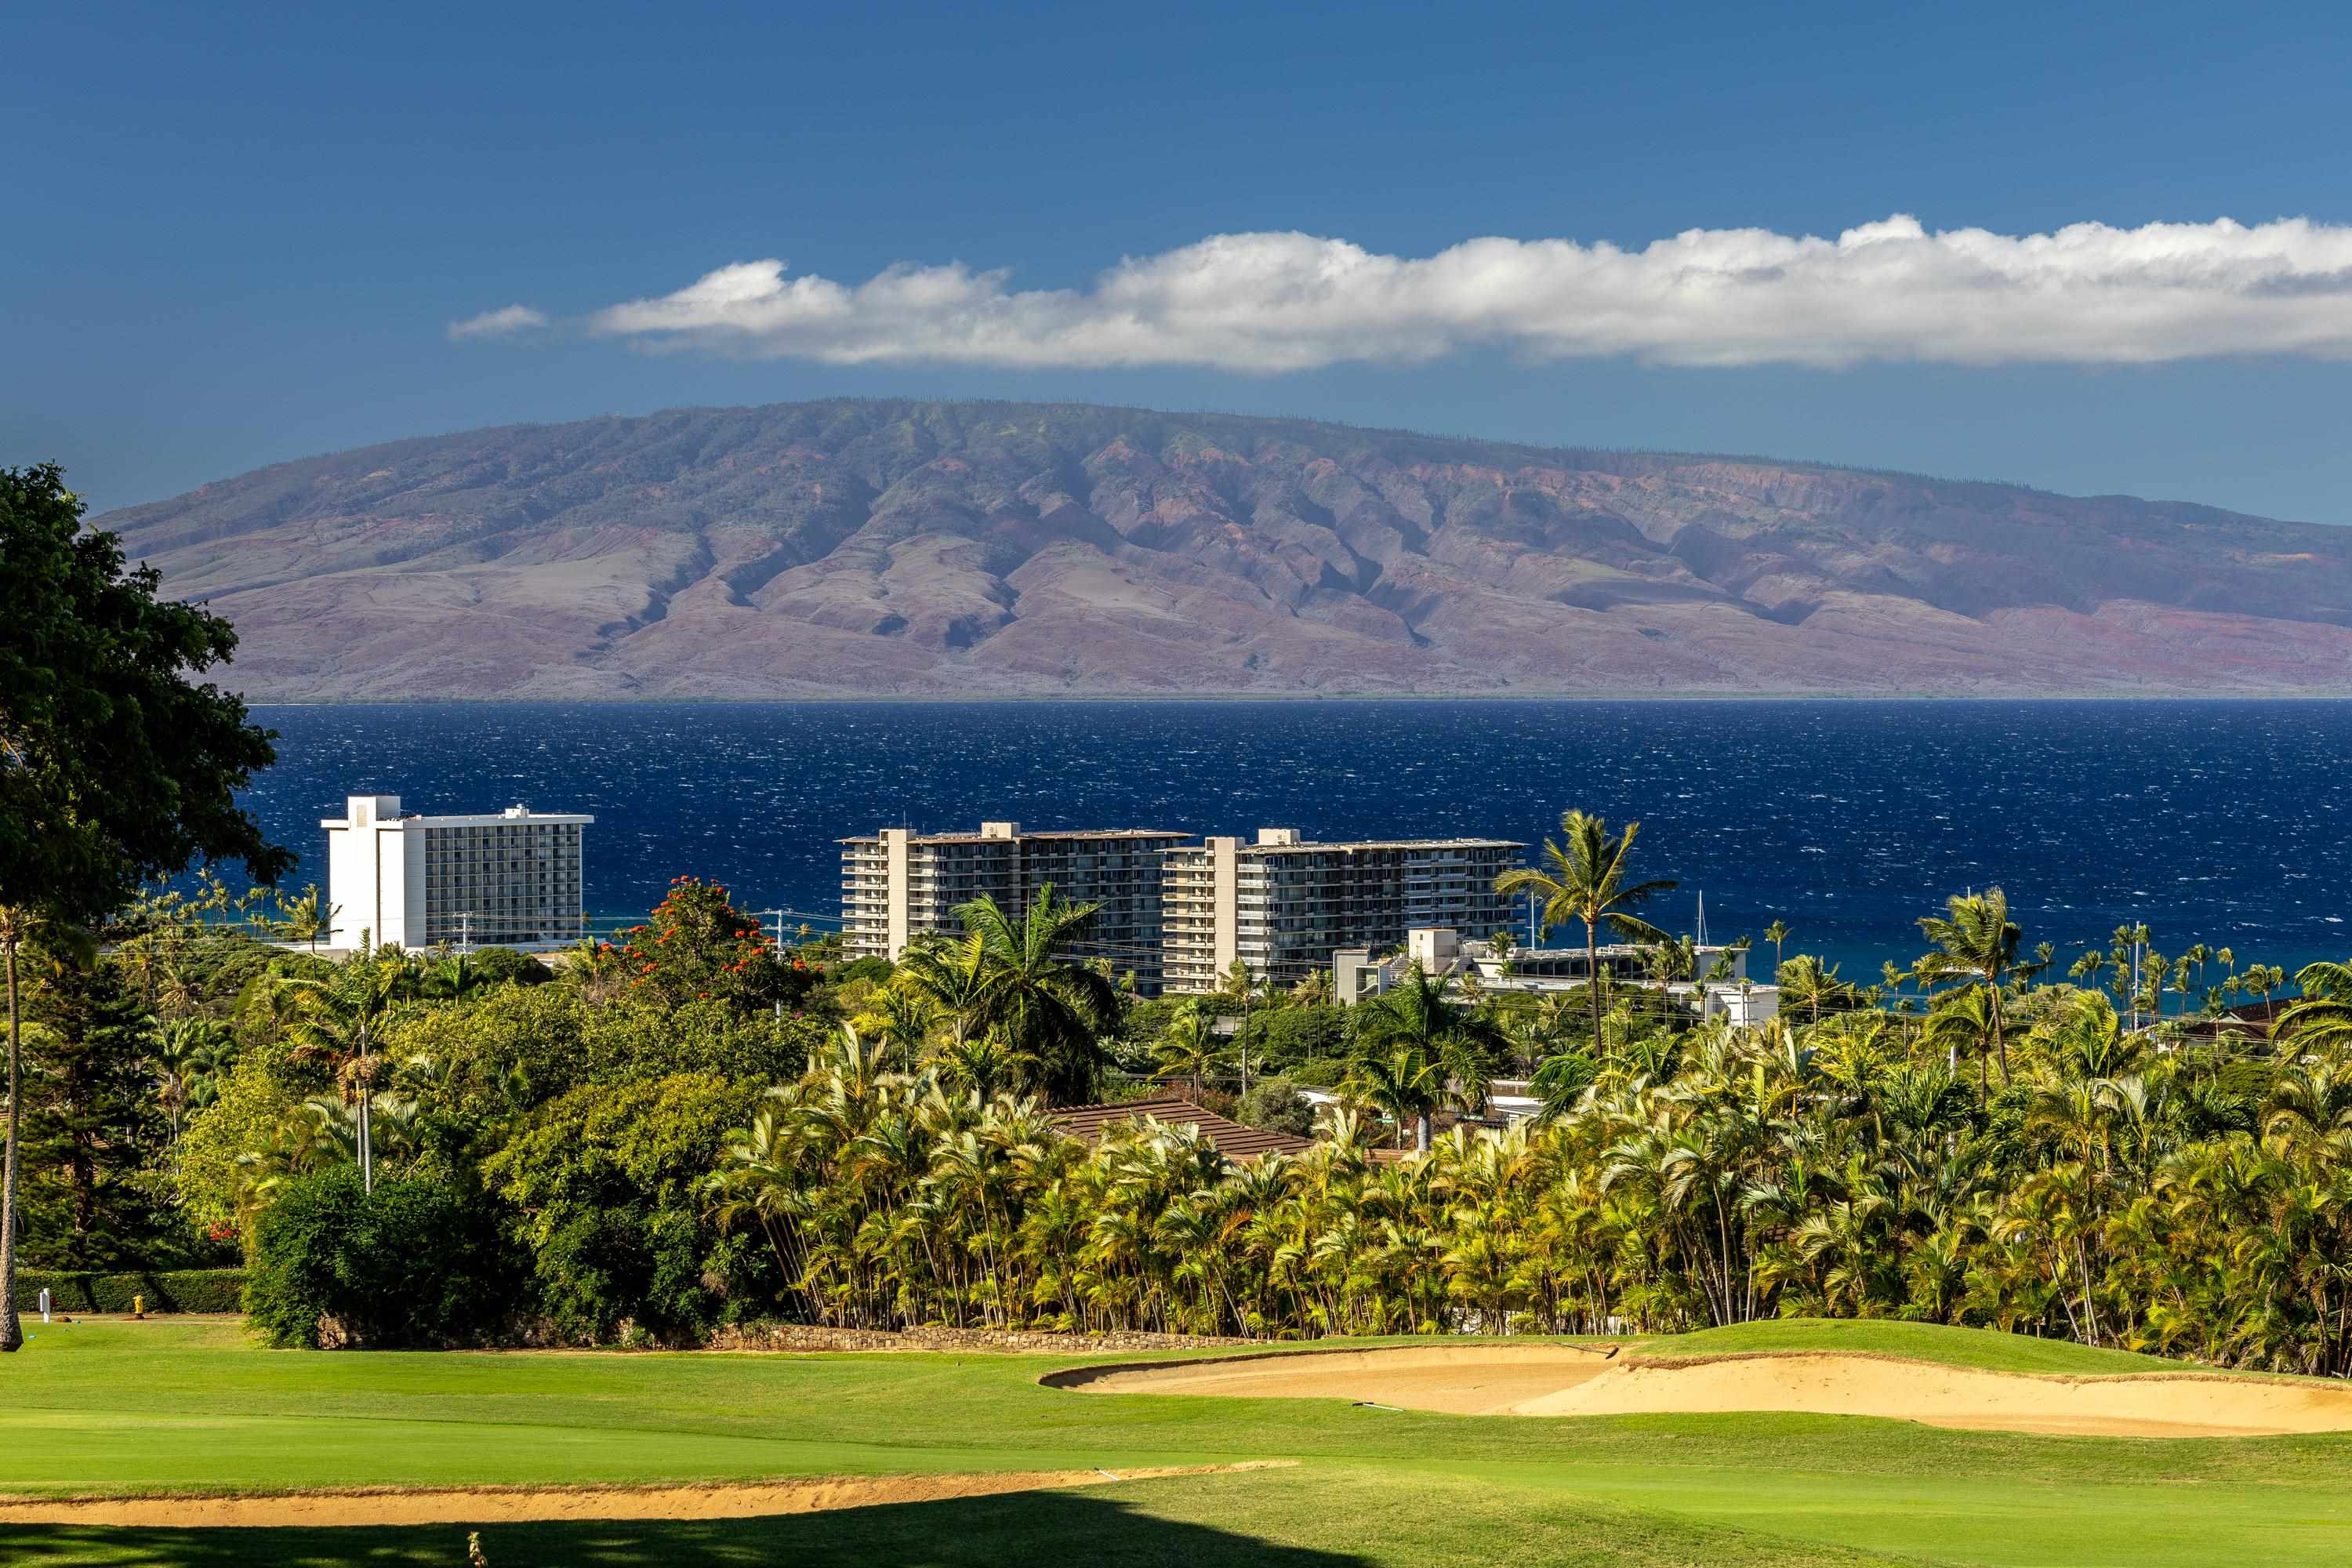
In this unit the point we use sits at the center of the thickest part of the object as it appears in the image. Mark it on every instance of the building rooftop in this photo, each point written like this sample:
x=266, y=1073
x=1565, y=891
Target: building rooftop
x=1233, y=1140
x=384, y=810
x=1318, y=846
x=875, y=838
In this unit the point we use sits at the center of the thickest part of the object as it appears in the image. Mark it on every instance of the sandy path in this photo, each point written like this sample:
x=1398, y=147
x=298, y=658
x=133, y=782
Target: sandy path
x=1533, y=1380
x=510, y=1505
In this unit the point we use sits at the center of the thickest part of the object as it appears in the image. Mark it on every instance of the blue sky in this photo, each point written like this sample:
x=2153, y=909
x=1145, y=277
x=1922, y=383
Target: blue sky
x=238, y=238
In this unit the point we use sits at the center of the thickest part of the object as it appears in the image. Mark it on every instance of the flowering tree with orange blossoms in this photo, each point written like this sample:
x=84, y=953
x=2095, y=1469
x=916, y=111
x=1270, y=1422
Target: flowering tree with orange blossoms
x=696, y=945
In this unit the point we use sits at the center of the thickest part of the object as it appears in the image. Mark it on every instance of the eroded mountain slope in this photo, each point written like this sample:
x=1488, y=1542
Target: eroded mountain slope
x=938, y=549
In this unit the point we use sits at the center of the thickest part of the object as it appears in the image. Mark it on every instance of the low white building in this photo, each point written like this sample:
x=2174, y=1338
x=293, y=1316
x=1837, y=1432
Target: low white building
x=1722, y=989
x=509, y=879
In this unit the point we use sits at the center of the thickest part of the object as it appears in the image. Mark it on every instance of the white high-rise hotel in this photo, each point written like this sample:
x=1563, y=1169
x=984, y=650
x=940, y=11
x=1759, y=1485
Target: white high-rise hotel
x=510, y=879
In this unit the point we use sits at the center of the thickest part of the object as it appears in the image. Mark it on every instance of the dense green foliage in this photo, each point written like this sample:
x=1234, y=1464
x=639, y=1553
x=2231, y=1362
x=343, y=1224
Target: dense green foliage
x=412, y=1263
x=662, y=1147
x=116, y=764
x=607, y=1182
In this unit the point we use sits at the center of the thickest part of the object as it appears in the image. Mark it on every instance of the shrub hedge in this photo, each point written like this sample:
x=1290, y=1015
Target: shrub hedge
x=175, y=1290
x=415, y=1264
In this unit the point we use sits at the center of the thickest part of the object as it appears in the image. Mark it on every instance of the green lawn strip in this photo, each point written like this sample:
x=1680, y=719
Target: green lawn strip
x=1992, y=1515
x=57, y=1456
x=1322, y=1518
x=1988, y=1350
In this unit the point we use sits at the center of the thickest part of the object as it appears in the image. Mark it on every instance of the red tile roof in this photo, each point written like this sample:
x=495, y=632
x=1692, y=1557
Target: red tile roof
x=1233, y=1140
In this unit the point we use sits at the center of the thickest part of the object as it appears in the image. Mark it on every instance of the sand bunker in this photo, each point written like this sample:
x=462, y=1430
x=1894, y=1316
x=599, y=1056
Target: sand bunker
x=1539, y=1380
x=1461, y=1378
x=504, y=1505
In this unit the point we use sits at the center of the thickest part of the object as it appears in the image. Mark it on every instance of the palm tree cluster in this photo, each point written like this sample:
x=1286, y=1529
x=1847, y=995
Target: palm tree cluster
x=892, y=1200
x=2119, y=1191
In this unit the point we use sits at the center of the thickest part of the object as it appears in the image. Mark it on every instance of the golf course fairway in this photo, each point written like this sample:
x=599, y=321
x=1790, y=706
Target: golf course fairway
x=910, y=1451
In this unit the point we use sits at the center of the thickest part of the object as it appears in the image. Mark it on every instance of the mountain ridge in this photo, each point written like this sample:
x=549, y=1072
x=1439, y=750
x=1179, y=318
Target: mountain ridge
x=901, y=547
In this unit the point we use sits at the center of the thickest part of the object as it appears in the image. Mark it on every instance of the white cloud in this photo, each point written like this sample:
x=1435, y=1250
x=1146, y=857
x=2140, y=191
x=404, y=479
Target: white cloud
x=1269, y=302
x=503, y=323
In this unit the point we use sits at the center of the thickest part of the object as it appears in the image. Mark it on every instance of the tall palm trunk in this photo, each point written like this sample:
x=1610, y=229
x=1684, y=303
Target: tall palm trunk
x=2000, y=1043
x=1592, y=978
x=367, y=1096
x=12, y=1332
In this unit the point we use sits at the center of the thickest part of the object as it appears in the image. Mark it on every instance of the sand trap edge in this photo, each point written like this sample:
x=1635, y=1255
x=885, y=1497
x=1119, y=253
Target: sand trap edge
x=389, y=1506
x=1079, y=1376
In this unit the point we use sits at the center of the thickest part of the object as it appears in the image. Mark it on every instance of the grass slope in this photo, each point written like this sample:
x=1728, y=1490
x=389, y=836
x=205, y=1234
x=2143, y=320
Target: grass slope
x=119, y=1407
x=1985, y=1349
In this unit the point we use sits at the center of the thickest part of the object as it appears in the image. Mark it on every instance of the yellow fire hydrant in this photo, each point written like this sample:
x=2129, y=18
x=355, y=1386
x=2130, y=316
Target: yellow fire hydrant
x=139, y=1306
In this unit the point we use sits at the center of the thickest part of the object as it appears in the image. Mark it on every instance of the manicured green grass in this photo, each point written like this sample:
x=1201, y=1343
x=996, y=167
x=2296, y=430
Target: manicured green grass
x=1328, y=1519
x=1915, y=1342
x=103, y=1407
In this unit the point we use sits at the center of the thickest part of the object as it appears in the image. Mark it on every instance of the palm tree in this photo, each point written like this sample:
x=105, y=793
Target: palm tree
x=334, y=1019
x=1417, y=1018
x=1961, y=1024
x=2322, y=1018
x=1052, y=1008
x=1406, y=1084
x=1246, y=986
x=307, y=918
x=451, y=979
x=1190, y=1047
x=187, y=1051
x=901, y=1017
x=983, y=1065
x=14, y=923
x=2084, y=1036
x=1583, y=879
x=1776, y=933
x=1806, y=982
x=1977, y=941
x=953, y=977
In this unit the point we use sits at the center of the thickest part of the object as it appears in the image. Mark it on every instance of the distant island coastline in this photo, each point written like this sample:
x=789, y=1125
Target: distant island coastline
x=857, y=548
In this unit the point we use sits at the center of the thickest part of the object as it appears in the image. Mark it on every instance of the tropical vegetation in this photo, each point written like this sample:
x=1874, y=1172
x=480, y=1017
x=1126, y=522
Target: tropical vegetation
x=652, y=1138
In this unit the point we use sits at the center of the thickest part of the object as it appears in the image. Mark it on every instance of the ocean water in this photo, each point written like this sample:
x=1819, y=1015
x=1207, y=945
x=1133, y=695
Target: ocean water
x=2225, y=823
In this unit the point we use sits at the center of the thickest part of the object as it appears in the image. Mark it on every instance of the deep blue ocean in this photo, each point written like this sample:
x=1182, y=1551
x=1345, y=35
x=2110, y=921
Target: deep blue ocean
x=2225, y=823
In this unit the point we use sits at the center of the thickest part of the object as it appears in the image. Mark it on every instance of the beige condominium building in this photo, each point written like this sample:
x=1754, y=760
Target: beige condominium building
x=1282, y=906
x=898, y=885
x=510, y=879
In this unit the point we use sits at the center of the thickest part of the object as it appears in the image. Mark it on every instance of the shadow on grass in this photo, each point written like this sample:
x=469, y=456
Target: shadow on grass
x=1030, y=1529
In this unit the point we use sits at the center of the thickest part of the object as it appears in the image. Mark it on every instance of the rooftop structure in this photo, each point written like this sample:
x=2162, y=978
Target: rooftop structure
x=1282, y=905
x=1717, y=987
x=898, y=885
x=510, y=879
x=1234, y=1139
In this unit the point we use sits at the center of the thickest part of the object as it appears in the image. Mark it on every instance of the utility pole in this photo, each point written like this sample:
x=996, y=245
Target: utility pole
x=763, y=915
x=1249, y=986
